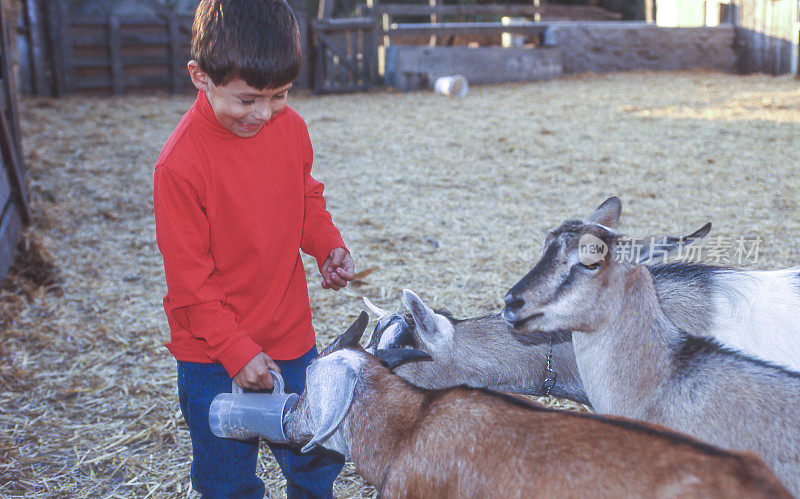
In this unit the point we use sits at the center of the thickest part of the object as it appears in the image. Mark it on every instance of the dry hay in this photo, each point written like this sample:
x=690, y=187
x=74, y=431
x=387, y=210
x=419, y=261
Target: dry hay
x=446, y=197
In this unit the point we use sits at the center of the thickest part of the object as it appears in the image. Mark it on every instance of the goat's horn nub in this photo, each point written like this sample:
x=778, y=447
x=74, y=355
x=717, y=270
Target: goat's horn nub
x=352, y=336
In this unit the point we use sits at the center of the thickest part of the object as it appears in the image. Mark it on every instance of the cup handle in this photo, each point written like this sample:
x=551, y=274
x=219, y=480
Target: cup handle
x=277, y=382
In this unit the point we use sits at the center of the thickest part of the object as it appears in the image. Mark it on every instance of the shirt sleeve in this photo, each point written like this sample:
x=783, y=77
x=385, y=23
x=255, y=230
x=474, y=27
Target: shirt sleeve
x=195, y=300
x=319, y=236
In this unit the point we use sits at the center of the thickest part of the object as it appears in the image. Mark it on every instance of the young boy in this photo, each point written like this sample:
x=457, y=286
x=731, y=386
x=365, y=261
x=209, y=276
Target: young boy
x=234, y=205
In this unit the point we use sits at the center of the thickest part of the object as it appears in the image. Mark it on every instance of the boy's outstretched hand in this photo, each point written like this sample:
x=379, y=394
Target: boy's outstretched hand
x=255, y=374
x=337, y=269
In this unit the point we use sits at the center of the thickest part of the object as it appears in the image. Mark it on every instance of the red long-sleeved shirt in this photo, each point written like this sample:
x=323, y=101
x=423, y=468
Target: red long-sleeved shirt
x=232, y=215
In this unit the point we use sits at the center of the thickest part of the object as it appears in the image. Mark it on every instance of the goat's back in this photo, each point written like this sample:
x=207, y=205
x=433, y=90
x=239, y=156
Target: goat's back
x=474, y=443
x=732, y=401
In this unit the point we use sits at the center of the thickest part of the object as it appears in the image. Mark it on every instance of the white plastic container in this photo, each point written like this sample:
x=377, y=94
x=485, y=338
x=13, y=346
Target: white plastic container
x=453, y=86
x=243, y=416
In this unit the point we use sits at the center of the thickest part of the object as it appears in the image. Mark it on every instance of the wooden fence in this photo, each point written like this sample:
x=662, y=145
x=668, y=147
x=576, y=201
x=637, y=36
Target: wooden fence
x=14, y=210
x=453, y=20
x=119, y=54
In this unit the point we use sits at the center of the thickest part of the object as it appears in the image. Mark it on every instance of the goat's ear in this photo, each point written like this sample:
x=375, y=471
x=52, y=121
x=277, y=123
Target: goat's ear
x=330, y=384
x=429, y=323
x=393, y=357
x=663, y=246
x=608, y=213
x=374, y=308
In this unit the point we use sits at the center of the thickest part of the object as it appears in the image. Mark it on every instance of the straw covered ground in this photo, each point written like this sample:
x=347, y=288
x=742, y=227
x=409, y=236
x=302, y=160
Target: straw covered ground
x=447, y=197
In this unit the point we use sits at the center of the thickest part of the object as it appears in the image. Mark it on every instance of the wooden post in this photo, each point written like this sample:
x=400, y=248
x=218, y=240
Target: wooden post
x=35, y=47
x=9, y=123
x=434, y=18
x=54, y=44
x=175, y=56
x=326, y=8
x=62, y=53
x=114, y=52
x=648, y=10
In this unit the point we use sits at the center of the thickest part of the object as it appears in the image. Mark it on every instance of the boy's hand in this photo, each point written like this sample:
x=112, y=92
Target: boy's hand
x=337, y=269
x=255, y=374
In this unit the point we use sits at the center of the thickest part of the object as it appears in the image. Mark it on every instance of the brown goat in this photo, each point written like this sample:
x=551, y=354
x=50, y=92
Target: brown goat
x=464, y=442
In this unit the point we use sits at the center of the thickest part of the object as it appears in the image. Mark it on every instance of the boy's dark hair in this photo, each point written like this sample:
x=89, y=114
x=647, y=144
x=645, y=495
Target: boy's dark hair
x=256, y=40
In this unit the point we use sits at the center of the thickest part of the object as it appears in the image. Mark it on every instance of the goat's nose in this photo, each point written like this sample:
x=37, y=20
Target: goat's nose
x=512, y=301
x=513, y=304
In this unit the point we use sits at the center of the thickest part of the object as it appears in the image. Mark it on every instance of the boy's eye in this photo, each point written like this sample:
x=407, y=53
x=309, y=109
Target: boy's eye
x=248, y=102
x=279, y=96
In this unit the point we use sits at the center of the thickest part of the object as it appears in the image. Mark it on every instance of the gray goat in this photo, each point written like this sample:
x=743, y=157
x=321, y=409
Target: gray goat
x=635, y=362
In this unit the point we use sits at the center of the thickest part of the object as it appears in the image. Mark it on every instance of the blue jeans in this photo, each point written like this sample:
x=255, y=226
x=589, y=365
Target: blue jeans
x=223, y=467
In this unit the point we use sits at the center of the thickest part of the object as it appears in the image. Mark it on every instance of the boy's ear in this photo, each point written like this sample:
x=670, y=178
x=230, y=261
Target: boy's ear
x=199, y=77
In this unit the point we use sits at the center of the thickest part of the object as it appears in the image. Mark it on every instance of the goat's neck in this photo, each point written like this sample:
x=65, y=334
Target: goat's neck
x=481, y=357
x=381, y=417
x=626, y=359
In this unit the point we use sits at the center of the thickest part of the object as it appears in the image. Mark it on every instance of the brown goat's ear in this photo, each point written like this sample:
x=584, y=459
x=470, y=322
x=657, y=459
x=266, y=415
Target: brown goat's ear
x=393, y=357
x=352, y=336
x=608, y=213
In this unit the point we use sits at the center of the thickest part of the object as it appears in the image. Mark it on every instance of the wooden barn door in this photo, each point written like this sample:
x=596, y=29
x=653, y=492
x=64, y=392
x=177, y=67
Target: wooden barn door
x=14, y=211
x=344, y=52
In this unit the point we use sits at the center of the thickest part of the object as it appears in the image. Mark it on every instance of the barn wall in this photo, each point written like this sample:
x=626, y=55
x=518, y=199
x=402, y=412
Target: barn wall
x=768, y=32
x=604, y=47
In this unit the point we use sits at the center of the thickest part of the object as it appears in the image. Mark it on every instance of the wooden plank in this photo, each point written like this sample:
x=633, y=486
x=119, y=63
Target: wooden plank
x=127, y=61
x=175, y=55
x=325, y=9
x=35, y=47
x=131, y=82
x=10, y=229
x=339, y=50
x=65, y=43
x=101, y=40
x=350, y=23
x=12, y=162
x=5, y=188
x=54, y=50
x=457, y=10
x=114, y=49
x=434, y=19
x=156, y=22
x=9, y=124
x=443, y=29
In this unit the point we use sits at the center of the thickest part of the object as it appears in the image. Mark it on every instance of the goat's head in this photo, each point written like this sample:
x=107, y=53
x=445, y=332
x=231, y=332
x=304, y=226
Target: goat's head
x=393, y=330
x=423, y=329
x=581, y=277
x=332, y=381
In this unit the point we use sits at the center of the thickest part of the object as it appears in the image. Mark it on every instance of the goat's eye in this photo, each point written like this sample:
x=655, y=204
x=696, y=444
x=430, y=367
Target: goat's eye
x=592, y=266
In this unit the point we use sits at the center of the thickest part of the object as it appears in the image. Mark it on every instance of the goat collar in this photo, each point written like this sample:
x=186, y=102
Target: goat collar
x=550, y=375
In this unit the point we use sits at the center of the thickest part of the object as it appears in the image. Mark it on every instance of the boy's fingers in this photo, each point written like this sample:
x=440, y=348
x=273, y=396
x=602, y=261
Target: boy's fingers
x=337, y=280
x=347, y=275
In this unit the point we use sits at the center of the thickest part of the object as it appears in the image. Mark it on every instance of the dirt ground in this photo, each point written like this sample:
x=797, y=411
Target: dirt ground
x=450, y=198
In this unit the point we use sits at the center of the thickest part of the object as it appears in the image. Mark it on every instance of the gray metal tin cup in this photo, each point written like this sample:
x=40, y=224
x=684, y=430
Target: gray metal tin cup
x=244, y=416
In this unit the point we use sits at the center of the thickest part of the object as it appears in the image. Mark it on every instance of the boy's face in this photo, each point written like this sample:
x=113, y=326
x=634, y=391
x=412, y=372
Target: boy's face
x=240, y=108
